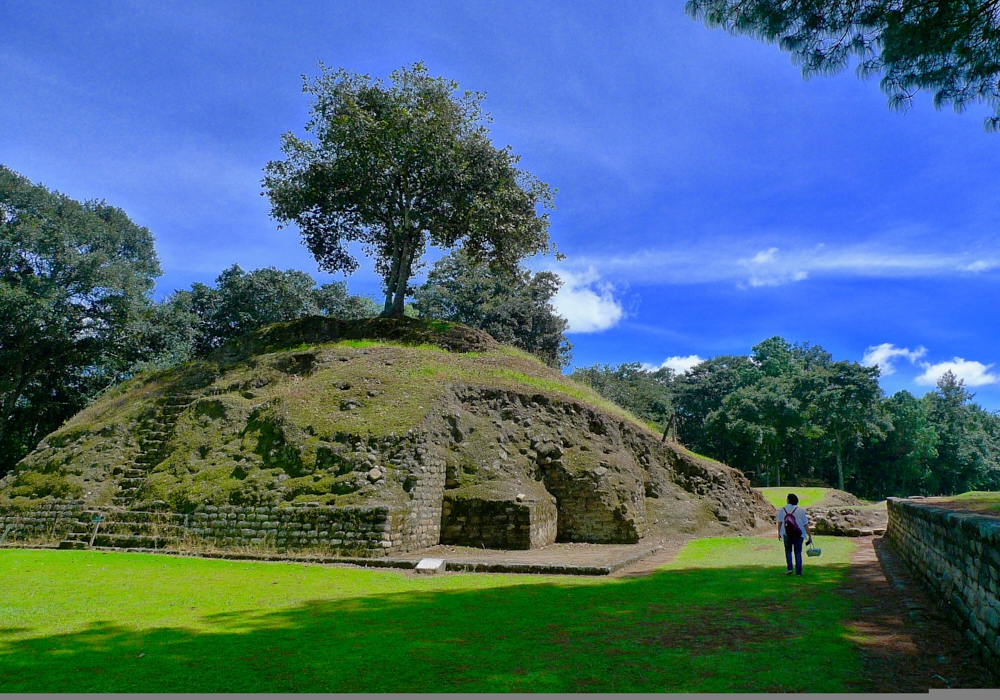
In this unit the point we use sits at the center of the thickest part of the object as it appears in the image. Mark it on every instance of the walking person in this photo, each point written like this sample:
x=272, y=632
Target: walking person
x=793, y=528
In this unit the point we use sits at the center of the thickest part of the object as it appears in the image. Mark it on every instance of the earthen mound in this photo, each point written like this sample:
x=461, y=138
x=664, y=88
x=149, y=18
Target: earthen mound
x=368, y=438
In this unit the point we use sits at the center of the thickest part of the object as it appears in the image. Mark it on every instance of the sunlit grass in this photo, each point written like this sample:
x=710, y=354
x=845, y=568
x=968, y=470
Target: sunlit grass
x=777, y=496
x=981, y=501
x=721, y=618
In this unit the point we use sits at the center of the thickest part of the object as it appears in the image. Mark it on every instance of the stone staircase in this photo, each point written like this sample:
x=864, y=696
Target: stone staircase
x=122, y=529
x=153, y=436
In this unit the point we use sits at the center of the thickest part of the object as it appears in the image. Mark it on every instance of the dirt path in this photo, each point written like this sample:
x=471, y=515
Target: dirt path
x=908, y=645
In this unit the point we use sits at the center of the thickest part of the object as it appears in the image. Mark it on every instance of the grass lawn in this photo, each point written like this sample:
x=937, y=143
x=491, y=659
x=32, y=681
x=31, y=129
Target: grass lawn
x=721, y=618
x=809, y=496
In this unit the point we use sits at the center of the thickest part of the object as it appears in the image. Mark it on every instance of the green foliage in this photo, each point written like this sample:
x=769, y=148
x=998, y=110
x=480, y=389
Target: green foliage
x=74, y=280
x=513, y=306
x=645, y=393
x=195, y=321
x=334, y=301
x=791, y=414
x=951, y=48
x=720, y=619
x=397, y=166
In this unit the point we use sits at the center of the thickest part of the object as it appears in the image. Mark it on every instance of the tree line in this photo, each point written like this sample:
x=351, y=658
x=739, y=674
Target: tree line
x=791, y=414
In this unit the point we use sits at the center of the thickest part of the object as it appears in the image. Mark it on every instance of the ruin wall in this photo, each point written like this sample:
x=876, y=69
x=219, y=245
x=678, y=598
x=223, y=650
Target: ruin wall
x=957, y=556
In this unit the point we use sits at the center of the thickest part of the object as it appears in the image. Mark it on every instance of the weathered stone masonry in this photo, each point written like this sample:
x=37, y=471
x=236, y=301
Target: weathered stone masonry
x=957, y=556
x=49, y=521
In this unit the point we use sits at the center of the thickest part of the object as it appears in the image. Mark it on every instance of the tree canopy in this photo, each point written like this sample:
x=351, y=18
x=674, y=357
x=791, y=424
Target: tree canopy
x=791, y=414
x=74, y=277
x=949, y=47
x=196, y=320
x=513, y=306
x=397, y=166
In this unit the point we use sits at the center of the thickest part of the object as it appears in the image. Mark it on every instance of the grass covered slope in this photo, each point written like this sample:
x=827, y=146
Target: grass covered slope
x=980, y=502
x=719, y=619
x=353, y=414
x=272, y=406
x=809, y=496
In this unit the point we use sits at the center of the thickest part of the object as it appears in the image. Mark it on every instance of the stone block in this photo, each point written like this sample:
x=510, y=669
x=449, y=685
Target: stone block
x=430, y=566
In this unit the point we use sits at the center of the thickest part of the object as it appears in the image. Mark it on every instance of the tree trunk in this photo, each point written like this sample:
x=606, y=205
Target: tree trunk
x=402, y=278
x=392, y=281
x=840, y=466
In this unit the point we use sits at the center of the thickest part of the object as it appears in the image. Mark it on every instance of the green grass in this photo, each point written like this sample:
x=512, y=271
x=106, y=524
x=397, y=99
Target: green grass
x=721, y=618
x=777, y=496
x=987, y=502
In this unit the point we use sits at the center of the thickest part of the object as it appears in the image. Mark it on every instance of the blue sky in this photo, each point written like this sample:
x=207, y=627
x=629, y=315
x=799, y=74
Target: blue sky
x=708, y=196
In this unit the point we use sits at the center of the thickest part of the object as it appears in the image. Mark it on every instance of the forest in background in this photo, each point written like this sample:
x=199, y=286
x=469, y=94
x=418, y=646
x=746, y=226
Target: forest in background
x=789, y=414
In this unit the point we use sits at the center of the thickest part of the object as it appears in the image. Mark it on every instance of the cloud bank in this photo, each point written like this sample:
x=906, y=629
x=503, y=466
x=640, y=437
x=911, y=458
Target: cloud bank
x=680, y=365
x=736, y=263
x=586, y=302
x=882, y=355
x=971, y=372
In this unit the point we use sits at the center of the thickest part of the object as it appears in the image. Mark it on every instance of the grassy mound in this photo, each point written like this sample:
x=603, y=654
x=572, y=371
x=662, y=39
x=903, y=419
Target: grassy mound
x=272, y=410
x=981, y=502
x=810, y=496
x=414, y=417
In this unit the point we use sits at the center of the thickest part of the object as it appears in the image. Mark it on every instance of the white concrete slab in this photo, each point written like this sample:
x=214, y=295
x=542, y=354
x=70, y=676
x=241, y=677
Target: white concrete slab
x=430, y=566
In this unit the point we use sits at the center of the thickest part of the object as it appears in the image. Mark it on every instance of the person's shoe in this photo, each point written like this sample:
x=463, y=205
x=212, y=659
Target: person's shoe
x=789, y=572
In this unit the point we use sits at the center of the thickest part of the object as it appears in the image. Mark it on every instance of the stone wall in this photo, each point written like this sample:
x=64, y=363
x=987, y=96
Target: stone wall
x=49, y=521
x=957, y=555
x=367, y=529
x=498, y=524
x=351, y=530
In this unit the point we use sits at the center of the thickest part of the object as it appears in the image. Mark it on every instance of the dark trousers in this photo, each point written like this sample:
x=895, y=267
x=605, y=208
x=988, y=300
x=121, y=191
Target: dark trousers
x=795, y=544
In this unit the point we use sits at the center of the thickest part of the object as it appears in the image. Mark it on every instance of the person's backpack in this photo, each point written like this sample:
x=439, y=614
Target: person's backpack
x=792, y=529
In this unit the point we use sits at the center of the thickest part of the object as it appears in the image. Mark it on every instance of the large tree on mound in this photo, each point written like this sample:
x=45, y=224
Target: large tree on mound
x=74, y=277
x=951, y=47
x=395, y=166
x=514, y=307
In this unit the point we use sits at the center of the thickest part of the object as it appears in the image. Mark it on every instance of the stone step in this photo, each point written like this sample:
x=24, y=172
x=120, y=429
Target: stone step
x=141, y=530
x=142, y=516
x=131, y=482
x=136, y=541
x=72, y=544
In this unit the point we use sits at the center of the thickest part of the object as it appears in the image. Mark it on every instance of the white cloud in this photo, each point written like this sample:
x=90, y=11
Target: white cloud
x=680, y=365
x=587, y=303
x=766, y=270
x=973, y=373
x=736, y=262
x=882, y=355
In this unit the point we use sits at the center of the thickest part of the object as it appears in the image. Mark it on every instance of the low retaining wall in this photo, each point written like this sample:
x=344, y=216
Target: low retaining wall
x=363, y=528
x=50, y=521
x=351, y=530
x=957, y=556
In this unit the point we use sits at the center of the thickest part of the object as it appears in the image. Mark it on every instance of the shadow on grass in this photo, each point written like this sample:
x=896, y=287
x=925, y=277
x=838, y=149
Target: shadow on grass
x=696, y=630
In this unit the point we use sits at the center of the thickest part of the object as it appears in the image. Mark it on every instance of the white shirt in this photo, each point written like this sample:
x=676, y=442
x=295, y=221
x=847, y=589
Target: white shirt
x=800, y=518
